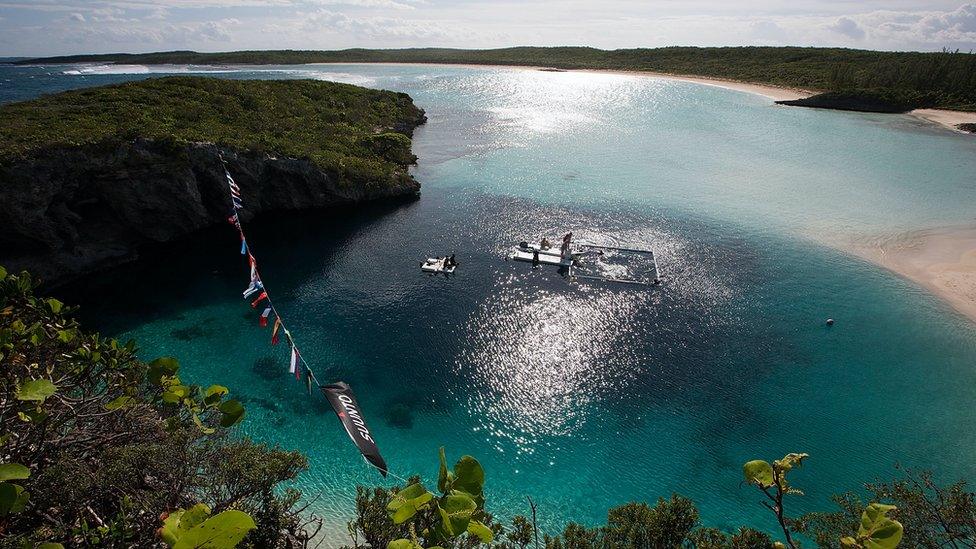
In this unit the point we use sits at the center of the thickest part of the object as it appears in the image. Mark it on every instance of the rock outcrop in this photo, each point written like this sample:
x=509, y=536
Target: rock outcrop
x=69, y=211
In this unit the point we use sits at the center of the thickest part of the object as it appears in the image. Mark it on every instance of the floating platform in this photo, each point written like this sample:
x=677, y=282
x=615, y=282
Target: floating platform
x=520, y=254
x=436, y=265
x=552, y=250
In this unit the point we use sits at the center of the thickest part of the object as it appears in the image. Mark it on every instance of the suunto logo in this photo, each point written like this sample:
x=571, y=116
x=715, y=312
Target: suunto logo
x=354, y=416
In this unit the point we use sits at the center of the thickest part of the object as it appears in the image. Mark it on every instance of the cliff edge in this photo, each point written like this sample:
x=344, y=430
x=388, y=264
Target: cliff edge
x=89, y=177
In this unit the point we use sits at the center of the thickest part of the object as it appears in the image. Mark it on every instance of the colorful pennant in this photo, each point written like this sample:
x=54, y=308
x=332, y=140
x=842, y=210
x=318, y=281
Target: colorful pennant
x=339, y=395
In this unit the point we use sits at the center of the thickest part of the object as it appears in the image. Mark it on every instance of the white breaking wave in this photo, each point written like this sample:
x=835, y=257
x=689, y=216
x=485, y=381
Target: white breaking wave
x=312, y=73
x=107, y=69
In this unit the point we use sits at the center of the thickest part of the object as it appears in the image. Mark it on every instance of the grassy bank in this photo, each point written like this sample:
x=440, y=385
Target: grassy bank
x=344, y=129
x=910, y=79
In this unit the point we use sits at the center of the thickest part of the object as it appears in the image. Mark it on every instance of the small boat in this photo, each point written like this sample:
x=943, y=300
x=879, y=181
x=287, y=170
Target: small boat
x=436, y=265
x=523, y=254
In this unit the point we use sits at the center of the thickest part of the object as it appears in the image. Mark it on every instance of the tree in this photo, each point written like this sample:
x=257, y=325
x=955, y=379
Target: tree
x=772, y=482
x=97, y=445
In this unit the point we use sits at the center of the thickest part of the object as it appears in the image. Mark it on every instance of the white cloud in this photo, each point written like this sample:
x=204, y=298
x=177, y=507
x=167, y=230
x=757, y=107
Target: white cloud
x=848, y=27
x=72, y=26
x=385, y=4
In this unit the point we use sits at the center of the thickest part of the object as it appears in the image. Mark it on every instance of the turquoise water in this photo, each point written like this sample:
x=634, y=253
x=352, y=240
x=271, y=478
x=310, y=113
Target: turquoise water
x=584, y=396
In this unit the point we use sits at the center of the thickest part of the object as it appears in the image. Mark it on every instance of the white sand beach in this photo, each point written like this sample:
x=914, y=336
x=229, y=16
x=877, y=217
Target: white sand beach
x=940, y=260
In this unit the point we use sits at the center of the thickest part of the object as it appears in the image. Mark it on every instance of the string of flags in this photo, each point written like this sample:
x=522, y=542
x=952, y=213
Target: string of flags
x=339, y=395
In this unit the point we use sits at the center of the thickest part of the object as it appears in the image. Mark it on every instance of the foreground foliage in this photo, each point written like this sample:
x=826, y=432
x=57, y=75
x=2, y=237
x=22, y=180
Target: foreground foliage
x=97, y=446
x=412, y=517
x=910, y=79
x=346, y=130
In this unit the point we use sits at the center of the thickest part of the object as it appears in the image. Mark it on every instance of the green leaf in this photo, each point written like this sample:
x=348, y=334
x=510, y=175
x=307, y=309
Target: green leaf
x=402, y=544
x=13, y=471
x=758, y=472
x=221, y=531
x=36, y=390
x=175, y=393
x=444, y=477
x=54, y=305
x=50, y=545
x=405, y=503
x=790, y=461
x=170, y=531
x=231, y=413
x=121, y=402
x=469, y=476
x=483, y=532
x=456, y=509
x=13, y=498
x=193, y=516
x=214, y=394
x=161, y=368
x=877, y=531
x=3, y=273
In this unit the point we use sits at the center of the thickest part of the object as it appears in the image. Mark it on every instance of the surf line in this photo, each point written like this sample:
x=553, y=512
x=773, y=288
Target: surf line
x=339, y=394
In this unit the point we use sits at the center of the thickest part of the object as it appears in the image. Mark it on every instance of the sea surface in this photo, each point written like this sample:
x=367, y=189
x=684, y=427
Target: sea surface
x=584, y=395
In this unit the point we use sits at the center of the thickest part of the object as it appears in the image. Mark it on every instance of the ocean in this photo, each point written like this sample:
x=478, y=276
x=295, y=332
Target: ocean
x=584, y=395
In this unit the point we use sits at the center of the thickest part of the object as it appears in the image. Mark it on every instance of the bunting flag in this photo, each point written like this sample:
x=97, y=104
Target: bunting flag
x=344, y=404
x=262, y=297
x=339, y=395
x=274, y=330
x=255, y=287
x=254, y=268
x=235, y=191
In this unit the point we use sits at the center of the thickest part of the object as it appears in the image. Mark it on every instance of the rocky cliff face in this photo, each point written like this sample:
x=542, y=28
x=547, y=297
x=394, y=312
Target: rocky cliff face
x=71, y=211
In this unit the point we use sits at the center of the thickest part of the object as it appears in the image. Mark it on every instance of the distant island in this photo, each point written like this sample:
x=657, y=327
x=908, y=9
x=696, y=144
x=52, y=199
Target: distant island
x=91, y=175
x=857, y=79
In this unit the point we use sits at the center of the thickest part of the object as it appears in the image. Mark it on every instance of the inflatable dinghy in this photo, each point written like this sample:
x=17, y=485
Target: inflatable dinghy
x=436, y=265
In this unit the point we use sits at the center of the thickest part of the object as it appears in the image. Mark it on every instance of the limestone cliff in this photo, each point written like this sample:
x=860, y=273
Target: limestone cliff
x=70, y=211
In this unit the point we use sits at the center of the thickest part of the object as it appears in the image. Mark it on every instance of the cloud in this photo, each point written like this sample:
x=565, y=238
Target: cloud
x=384, y=4
x=848, y=27
x=769, y=30
x=378, y=27
x=921, y=29
x=72, y=26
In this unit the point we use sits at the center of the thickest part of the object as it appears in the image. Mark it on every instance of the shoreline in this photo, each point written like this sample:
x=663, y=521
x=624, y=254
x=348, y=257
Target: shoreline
x=940, y=117
x=946, y=118
x=776, y=93
x=940, y=260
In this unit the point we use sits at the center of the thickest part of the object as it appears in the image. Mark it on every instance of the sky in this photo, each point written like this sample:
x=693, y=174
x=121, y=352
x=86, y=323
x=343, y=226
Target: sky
x=50, y=27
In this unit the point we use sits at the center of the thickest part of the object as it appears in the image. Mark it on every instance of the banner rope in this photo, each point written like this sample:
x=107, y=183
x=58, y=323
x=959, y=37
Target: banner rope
x=257, y=287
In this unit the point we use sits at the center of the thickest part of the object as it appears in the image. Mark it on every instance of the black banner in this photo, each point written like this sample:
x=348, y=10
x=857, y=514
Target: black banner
x=344, y=403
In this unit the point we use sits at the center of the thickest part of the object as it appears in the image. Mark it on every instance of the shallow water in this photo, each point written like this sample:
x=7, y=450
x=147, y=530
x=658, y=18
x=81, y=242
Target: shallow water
x=584, y=396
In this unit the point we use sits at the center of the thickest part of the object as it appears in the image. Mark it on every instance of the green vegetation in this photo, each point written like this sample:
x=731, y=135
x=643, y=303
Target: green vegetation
x=97, y=447
x=909, y=79
x=346, y=130
x=772, y=482
x=411, y=517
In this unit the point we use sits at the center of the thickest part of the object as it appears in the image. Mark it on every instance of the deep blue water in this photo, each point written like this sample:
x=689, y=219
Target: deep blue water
x=584, y=395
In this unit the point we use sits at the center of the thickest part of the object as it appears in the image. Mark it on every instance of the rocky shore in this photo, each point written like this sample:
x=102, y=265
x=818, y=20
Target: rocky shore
x=71, y=211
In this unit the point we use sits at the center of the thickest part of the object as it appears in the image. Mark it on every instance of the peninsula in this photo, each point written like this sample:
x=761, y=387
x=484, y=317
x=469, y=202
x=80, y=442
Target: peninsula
x=849, y=79
x=92, y=175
